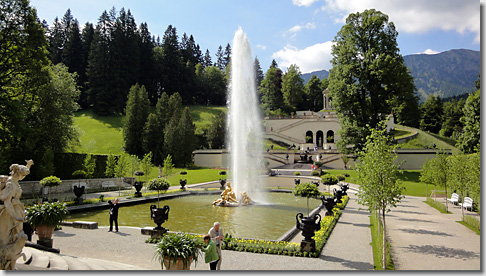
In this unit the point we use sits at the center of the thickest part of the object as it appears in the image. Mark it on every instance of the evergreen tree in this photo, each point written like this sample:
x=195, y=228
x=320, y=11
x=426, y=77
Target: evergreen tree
x=217, y=131
x=136, y=113
x=313, y=92
x=451, y=118
x=171, y=65
x=220, y=59
x=153, y=137
x=187, y=138
x=87, y=36
x=72, y=55
x=100, y=67
x=258, y=72
x=368, y=75
x=293, y=89
x=147, y=62
x=207, y=59
x=214, y=86
x=470, y=139
x=431, y=112
x=172, y=138
x=271, y=88
x=56, y=42
x=227, y=55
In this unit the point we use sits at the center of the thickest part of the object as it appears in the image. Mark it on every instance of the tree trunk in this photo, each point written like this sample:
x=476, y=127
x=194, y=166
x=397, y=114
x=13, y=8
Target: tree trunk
x=384, y=240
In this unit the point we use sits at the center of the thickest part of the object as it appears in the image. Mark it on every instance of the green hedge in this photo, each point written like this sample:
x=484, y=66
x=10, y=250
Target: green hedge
x=66, y=163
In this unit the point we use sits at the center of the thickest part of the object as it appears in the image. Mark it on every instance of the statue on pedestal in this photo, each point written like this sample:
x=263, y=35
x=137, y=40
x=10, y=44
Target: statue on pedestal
x=12, y=216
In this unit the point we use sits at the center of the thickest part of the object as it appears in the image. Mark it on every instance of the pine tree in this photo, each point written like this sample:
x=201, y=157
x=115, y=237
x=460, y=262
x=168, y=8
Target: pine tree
x=220, y=59
x=227, y=55
x=187, y=138
x=154, y=130
x=207, y=59
x=259, y=76
x=72, y=55
x=271, y=88
x=56, y=42
x=136, y=113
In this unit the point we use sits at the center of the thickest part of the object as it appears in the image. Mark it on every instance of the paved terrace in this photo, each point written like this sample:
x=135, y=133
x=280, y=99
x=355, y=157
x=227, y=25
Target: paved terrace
x=421, y=237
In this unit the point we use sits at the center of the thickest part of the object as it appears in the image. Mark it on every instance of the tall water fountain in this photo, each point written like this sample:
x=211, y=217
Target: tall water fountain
x=244, y=123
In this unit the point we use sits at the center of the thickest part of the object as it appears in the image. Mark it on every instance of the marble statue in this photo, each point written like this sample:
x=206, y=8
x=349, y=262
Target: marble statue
x=12, y=216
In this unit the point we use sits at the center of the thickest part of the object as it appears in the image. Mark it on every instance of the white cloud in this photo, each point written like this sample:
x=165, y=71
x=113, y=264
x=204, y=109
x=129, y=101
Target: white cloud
x=430, y=52
x=292, y=32
x=312, y=58
x=416, y=16
x=263, y=47
x=305, y=3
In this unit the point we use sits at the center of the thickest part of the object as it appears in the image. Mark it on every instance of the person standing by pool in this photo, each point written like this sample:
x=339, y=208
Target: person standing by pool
x=211, y=255
x=216, y=234
x=113, y=214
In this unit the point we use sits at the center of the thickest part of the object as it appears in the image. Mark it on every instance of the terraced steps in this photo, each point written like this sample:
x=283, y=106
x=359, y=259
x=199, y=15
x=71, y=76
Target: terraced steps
x=36, y=259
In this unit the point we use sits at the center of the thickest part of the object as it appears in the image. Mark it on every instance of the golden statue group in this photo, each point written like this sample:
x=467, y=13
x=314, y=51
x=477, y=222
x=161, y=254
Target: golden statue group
x=228, y=198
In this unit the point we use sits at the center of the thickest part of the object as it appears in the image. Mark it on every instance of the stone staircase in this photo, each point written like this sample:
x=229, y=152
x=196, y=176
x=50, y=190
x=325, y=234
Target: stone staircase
x=36, y=259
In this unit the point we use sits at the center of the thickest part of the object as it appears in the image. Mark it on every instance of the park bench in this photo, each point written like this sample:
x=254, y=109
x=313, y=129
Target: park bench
x=454, y=198
x=467, y=203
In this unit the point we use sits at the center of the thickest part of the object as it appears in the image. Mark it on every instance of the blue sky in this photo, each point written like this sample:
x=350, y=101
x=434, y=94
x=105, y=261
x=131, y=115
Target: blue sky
x=289, y=31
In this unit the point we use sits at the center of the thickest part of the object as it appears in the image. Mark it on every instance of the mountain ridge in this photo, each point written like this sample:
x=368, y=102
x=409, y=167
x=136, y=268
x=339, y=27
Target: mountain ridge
x=446, y=74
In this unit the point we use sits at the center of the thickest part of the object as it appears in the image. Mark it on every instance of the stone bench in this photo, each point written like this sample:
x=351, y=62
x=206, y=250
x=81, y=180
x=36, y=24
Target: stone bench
x=85, y=224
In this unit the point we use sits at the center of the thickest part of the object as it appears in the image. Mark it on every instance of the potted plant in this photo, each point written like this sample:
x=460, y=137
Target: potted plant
x=222, y=181
x=50, y=181
x=79, y=190
x=306, y=190
x=44, y=218
x=138, y=184
x=176, y=251
x=309, y=225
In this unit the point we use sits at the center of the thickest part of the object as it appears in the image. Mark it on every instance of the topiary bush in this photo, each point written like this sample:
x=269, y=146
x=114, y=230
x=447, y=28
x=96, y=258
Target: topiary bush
x=329, y=180
x=296, y=173
x=159, y=184
x=341, y=177
x=315, y=173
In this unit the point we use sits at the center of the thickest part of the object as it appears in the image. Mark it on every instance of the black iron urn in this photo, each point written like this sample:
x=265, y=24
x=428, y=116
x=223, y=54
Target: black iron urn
x=344, y=188
x=138, y=187
x=159, y=216
x=297, y=181
x=338, y=194
x=183, y=183
x=222, y=182
x=329, y=203
x=308, y=225
x=78, y=192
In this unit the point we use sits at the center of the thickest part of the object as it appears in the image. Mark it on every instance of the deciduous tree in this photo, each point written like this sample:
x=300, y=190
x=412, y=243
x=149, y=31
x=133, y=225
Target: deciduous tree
x=368, y=74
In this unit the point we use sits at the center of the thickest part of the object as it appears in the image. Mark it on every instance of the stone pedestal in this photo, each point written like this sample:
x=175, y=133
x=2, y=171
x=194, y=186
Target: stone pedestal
x=45, y=242
x=154, y=232
x=308, y=246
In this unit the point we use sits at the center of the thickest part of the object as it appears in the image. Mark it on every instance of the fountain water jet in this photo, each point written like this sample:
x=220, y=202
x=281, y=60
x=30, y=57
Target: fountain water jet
x=244, y=123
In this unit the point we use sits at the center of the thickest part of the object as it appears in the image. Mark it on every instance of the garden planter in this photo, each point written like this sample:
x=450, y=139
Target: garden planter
x=179, y=265
x=44, y=232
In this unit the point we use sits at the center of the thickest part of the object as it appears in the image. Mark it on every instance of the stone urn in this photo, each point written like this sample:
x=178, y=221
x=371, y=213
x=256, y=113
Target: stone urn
x=308, y=225
x=159, y=216
x=138, y=187
x=78, y=192
x=329, y=203
x=338, y=194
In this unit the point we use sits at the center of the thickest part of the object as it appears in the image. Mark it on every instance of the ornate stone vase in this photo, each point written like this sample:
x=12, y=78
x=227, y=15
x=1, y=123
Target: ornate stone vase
x=222, y=182
x=45, y=232
x=78, y=192
x=344, y=188
x=296, y=181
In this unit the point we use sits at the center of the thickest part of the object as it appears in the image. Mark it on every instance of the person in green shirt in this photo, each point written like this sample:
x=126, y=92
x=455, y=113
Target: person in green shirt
x=211, y=256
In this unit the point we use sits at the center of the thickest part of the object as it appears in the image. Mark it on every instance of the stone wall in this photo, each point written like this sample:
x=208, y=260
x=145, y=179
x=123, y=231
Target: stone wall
x=34, y=189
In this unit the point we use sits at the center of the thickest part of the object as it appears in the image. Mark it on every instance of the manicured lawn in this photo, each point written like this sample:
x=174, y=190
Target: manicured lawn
x=202, y=115
x=426, y=140
x=98, y=134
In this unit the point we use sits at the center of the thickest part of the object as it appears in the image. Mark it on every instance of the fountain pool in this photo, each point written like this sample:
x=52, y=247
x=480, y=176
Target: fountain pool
x=196, y=214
